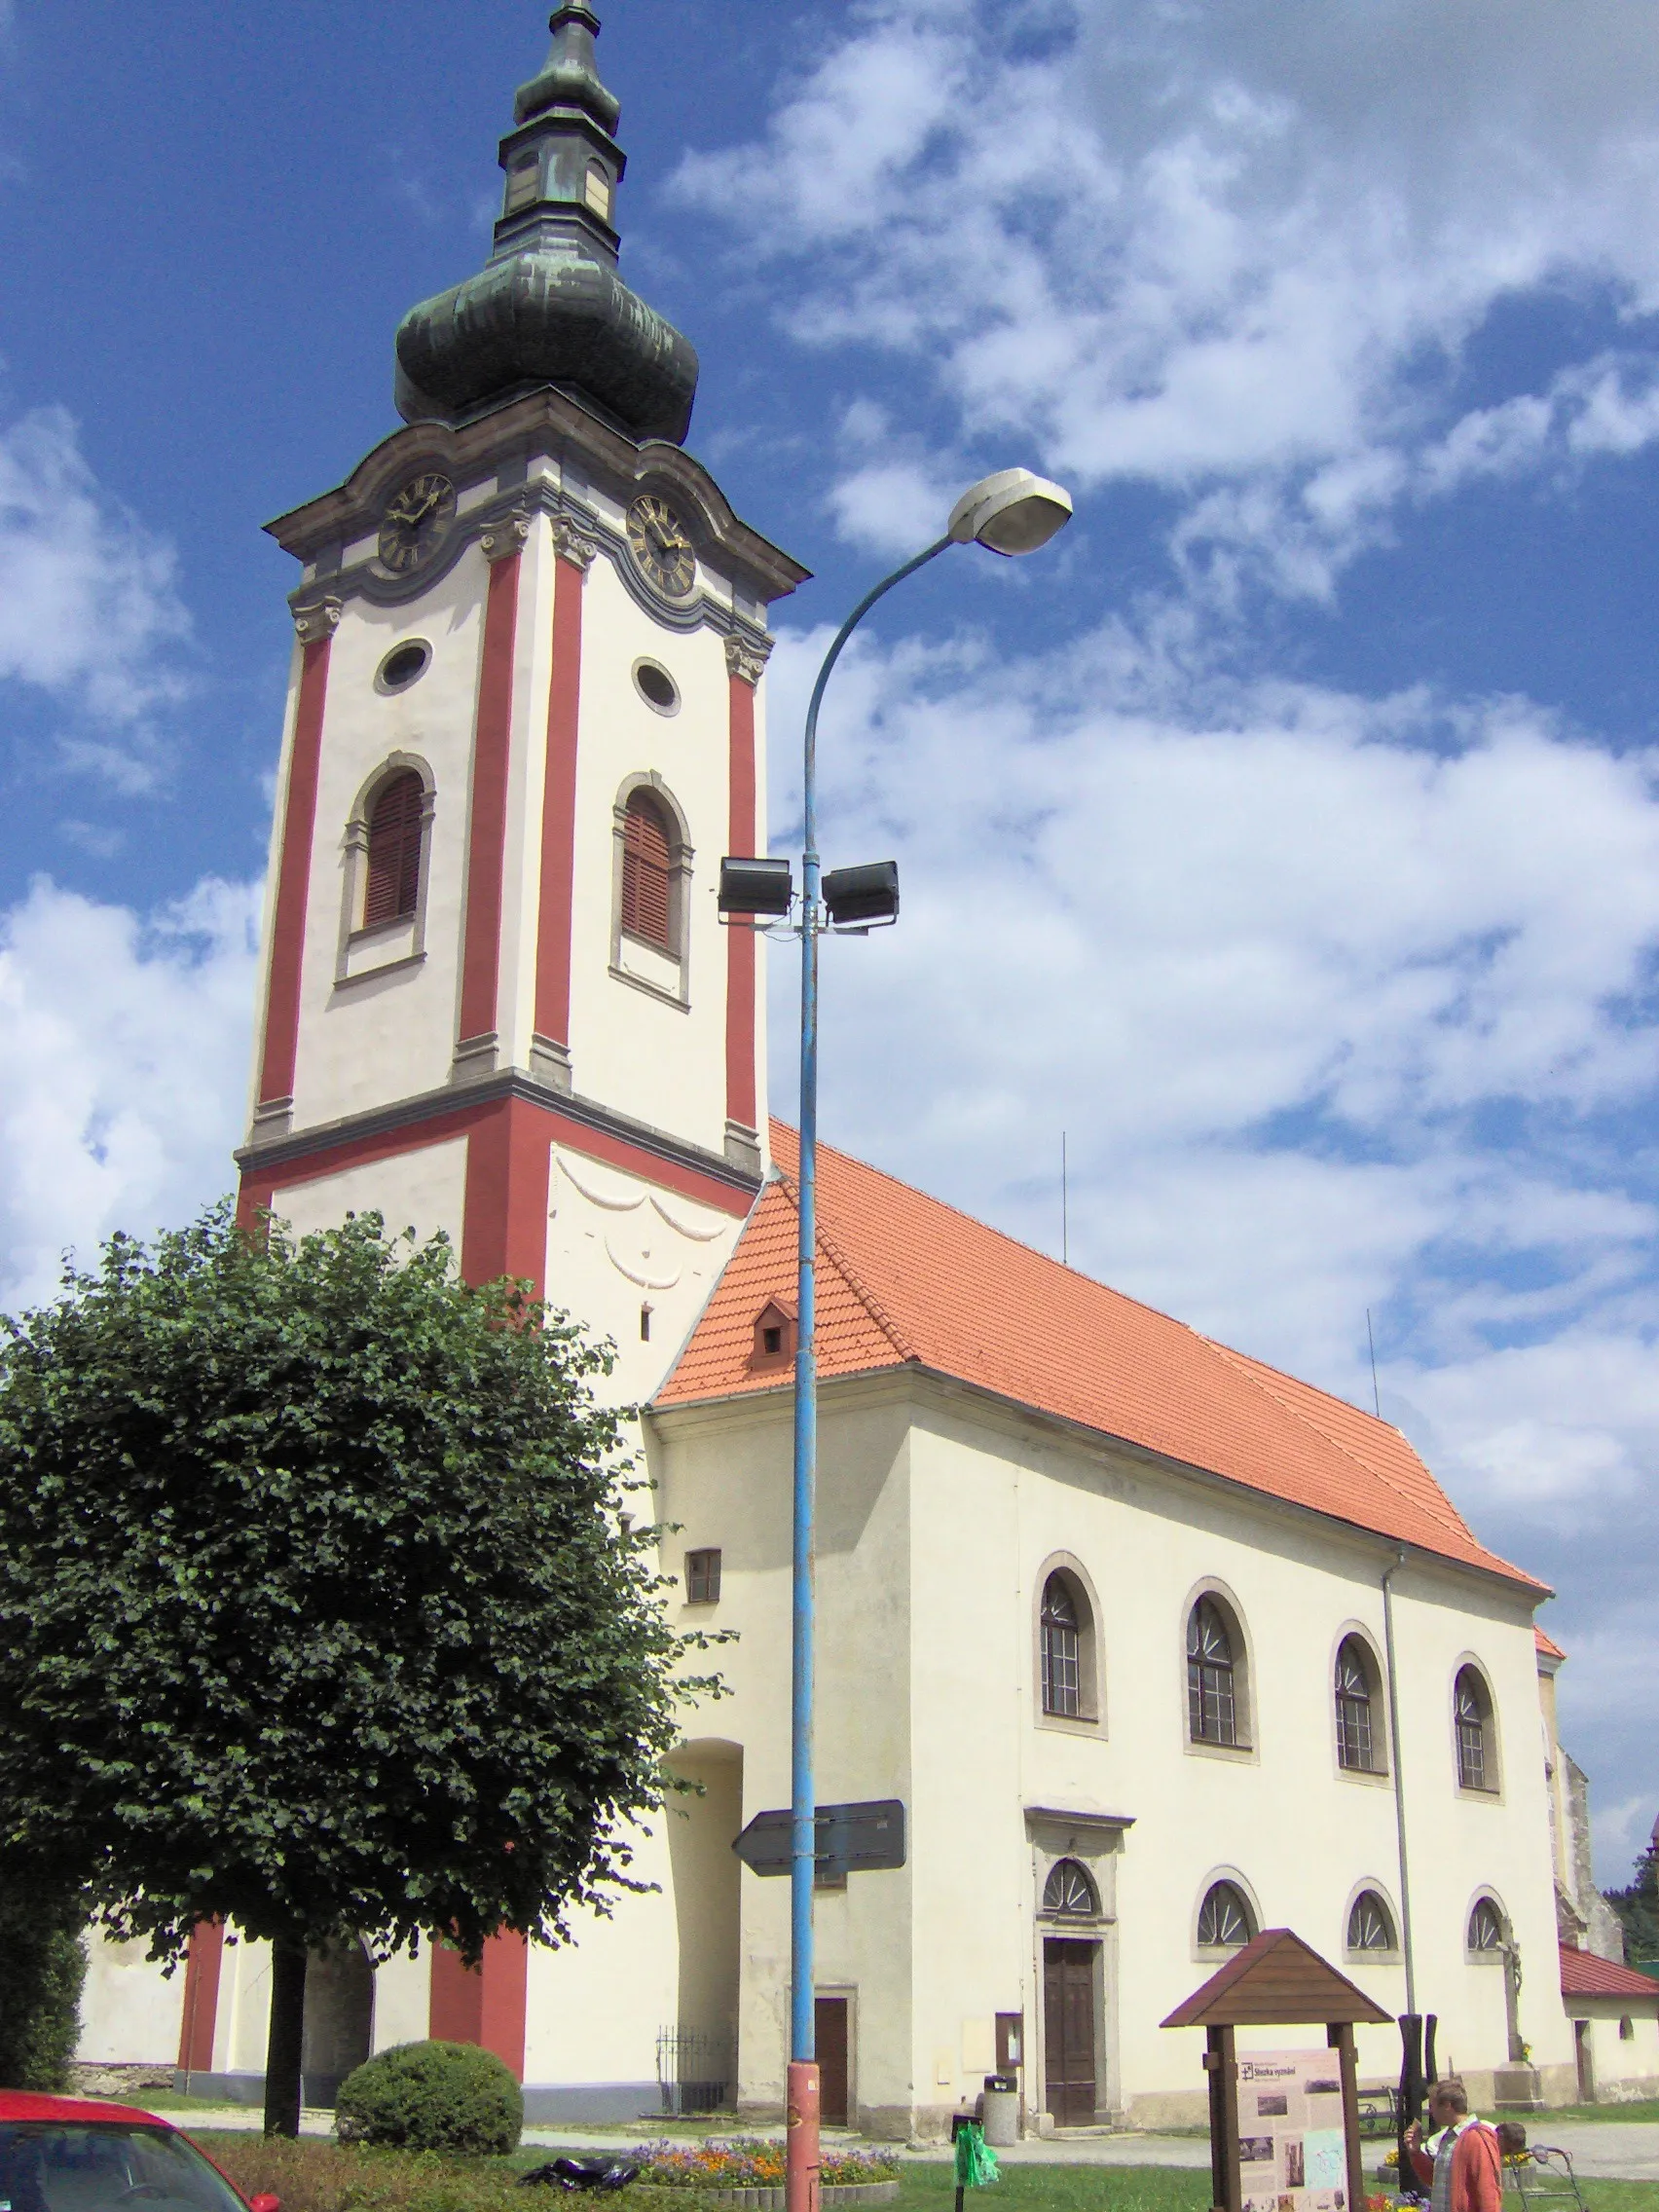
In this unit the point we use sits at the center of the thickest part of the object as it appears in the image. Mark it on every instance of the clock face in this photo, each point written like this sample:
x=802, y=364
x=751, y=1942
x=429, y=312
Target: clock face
x=661, y=548
x=415, y=519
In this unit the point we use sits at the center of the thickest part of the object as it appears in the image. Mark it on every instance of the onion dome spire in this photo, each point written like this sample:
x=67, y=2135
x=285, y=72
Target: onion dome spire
x=548, y=305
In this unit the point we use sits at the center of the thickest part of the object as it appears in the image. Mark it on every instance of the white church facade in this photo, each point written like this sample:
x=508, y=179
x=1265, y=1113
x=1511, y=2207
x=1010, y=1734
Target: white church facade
x=1155, y=1646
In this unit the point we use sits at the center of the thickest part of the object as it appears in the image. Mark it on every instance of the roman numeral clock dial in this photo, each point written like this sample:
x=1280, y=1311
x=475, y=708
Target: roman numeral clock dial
x=416, y=518
x=664, y=553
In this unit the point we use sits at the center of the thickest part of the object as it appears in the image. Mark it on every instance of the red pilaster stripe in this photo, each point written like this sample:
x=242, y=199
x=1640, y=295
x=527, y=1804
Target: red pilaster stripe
x=455, y=1998
x=559, y=809
x=200, y=2017
x=483, y=2005
x=509, y=1160
x=481, y=955
x=740, y=941
x=293, y=881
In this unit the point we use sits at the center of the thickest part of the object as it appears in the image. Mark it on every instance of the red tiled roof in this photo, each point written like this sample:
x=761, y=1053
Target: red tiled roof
x=905, y=1280
x=1584, y=1975
x=1546, y=1646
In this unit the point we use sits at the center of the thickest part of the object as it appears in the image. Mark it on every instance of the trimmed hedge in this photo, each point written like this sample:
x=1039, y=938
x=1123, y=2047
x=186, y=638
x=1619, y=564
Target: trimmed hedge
x=432, y=2096
x=42, y=1968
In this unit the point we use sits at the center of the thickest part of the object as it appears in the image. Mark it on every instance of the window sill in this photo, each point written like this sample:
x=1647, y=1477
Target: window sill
x=1370, y=1777
x=1479, y=1796
x=1069, y=1725
x=1371, y=1958
x=1231, y=1754
x=392, y=967
x=675, y=999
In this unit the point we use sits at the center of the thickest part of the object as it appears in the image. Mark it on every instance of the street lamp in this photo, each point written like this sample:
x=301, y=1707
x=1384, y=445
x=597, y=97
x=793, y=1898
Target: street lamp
x=1011, y=512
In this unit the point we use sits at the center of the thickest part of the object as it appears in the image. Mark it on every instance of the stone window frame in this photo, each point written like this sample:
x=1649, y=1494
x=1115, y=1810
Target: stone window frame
x=1491, y=1791
x=1091, y=1717
x=1381, y=1771
x=1369, y=1885
x=1209, y=1953
x=402, y=941
x=1247, y=1750
x=1491, y=1954
x=680, y=871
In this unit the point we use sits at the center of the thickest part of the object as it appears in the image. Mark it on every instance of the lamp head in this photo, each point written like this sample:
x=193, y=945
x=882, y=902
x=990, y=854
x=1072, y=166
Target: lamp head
x=1011, y=512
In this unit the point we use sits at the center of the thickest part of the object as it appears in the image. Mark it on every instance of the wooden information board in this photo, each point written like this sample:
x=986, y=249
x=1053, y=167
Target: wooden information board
x=1284, y=2124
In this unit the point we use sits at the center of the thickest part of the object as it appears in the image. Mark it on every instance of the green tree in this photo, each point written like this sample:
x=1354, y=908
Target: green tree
x=1638, y=1906
x=41, y=1967
x=320, y=1610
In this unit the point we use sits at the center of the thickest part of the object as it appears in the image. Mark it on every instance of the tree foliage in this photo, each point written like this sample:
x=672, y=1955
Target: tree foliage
x=42, y=1968
x=1638, y=1906
x=318, y=1608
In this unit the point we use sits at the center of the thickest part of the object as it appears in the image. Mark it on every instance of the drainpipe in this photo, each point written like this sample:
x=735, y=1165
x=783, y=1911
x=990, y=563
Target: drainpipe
x=1399, y=1777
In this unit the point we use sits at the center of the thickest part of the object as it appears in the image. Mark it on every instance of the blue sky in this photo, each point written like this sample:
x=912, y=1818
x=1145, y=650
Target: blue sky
x=1287, y=835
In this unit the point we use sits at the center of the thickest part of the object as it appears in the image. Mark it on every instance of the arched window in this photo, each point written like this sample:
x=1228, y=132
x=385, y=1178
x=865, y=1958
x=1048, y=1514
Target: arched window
x=1486, y=1927
x=1211, y=1709
x=647, y=874
x=1356, y=1743
x=392, y=877
x=1070, y=1892
x=1225, y=1918
x=1062, y=1670
x=1471, y=1710
x=1371, y=1924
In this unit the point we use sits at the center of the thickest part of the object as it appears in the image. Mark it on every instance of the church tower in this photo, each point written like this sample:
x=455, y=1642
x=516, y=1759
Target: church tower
x=525, y=720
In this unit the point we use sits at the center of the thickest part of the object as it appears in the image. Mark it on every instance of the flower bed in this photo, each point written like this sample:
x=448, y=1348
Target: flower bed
x=749, y=2171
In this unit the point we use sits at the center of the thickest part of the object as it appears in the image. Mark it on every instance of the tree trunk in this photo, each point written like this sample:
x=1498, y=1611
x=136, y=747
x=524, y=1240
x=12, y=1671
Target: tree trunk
x=282, y=2051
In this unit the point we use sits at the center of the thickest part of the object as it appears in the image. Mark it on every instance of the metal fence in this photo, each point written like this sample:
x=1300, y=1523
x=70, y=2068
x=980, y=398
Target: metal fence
x=694, y=2069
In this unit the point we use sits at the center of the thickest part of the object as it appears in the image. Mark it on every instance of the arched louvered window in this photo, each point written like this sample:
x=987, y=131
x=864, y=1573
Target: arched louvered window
x=1225, y=1918
x=1486, y=1927
x=1211, y=1709
x=1069, y=1892
x=1371, y=1924
x=647, y=860
x=392, y=879
x=1471, y=1710
x=1062, y=1670
x=1357, y=1745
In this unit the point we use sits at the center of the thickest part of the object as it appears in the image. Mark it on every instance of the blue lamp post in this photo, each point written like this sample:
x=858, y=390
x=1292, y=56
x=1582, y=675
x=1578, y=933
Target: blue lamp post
x=1011, y=512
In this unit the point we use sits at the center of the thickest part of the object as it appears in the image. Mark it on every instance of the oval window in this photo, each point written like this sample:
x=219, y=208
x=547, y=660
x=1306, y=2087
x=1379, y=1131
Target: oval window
x=404, y=665
x=656, y=687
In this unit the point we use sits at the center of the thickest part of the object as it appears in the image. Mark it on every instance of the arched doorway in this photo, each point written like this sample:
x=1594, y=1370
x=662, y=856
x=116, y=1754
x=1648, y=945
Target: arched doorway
x=697, y=2052
x=340, y=2016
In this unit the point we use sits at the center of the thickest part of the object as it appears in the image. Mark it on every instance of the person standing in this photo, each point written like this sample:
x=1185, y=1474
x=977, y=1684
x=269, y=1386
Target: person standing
x=1463, y=2171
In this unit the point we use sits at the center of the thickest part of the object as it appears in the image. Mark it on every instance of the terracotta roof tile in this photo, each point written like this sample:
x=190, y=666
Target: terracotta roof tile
x=905, y=1278
x=1583, y=1974
x=1546, y=1646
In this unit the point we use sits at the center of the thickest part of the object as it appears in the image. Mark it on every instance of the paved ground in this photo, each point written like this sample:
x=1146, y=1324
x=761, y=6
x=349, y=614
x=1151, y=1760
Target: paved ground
x=1615, y=2150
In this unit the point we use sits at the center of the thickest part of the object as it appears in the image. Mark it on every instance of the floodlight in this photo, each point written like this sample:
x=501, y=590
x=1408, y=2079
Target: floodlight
x=755, y=887
x=863, y=897
x=1011, y=512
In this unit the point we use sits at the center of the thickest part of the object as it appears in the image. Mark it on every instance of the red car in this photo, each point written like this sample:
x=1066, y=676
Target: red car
x=72, y=2155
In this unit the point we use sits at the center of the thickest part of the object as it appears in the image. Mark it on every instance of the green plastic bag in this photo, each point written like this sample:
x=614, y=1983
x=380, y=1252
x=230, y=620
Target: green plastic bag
x=976, y=2161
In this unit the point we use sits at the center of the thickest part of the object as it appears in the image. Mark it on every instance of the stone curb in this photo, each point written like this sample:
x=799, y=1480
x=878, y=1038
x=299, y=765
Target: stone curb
x=772, y=2199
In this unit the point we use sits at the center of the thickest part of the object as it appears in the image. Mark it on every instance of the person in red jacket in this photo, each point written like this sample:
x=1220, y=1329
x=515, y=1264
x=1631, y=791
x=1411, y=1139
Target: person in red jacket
x=1463, y=2172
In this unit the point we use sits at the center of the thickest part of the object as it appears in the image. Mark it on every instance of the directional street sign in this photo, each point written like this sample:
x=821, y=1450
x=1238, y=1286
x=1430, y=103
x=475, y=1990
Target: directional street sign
x=851, y=1839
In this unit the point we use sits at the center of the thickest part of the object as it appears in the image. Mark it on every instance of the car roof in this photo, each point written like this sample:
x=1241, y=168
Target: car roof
x=25, y=2104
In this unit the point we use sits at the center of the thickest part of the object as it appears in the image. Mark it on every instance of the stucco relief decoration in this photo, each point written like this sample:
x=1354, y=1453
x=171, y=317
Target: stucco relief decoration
x=508, y=534
x=573, y=544
x=320, y=621
x=645, y=1240
x=747, y=658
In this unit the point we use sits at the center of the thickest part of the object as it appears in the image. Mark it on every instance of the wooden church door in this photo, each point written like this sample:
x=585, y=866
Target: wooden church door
x=834, y=2069
x=1068, y=2031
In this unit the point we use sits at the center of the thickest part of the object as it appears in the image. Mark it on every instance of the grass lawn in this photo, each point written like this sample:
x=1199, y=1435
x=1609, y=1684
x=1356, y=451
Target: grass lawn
x=1643, y=2107
x=321, y=2177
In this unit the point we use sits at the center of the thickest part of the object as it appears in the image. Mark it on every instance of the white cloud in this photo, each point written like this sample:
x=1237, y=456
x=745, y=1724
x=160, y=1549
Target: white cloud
x=88, y=606
x=124, y=1051
x=1234, y=251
